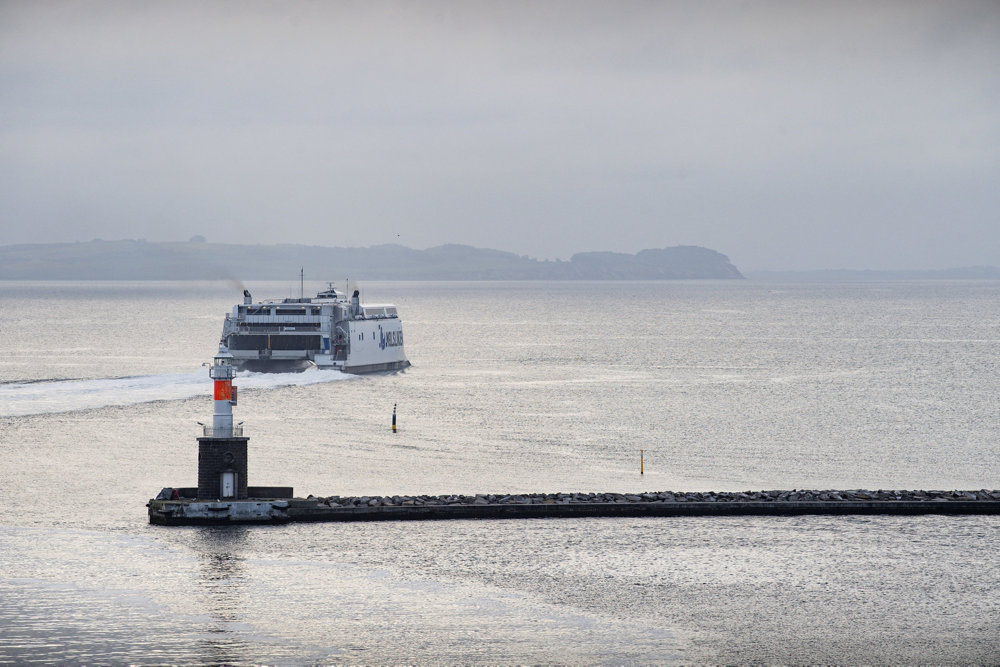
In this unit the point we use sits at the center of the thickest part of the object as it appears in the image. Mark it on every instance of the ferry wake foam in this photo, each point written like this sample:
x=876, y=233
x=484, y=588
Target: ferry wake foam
x=47, y=397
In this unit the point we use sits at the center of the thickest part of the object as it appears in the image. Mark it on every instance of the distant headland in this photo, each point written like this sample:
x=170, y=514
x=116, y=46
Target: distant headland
x=199, y=260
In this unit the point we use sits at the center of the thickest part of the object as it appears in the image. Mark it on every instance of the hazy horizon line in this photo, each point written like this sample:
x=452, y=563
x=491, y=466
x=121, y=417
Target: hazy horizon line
x=198, y=239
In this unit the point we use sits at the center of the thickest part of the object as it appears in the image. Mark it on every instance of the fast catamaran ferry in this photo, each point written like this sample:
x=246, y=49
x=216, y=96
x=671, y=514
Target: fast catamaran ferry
x=328, y=330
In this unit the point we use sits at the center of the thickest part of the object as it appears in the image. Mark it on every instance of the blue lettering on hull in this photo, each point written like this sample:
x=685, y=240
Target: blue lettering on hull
x=389, y=338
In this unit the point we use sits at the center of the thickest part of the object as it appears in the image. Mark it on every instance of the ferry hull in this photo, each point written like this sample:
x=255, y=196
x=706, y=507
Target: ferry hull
x=275, y=365
x=299, y=365
x=375, y=368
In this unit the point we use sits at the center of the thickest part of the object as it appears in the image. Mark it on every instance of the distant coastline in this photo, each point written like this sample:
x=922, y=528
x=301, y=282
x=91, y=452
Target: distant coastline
x=198, y=260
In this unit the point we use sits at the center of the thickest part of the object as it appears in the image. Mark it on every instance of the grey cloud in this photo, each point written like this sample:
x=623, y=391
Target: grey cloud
x=786, y=135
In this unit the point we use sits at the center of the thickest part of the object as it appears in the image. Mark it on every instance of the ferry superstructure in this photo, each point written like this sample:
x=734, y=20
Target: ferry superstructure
x=328, y=330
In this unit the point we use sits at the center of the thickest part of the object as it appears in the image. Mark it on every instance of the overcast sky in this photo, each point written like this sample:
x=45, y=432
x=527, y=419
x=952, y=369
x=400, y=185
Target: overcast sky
x=787, y=135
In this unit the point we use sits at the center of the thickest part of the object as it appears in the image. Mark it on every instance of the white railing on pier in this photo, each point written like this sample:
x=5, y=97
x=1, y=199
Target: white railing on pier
x=234, y=431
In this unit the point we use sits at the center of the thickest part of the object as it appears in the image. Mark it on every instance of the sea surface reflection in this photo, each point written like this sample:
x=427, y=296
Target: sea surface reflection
x=515, y=387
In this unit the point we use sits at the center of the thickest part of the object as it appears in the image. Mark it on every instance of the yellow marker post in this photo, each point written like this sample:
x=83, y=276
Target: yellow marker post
x=641, y=452
x=393, y=417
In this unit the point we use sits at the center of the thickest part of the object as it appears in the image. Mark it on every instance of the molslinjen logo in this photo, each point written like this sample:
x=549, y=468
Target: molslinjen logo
x=389, y=338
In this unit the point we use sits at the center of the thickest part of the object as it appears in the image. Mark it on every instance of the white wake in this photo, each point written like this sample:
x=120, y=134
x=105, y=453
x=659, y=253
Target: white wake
x=34, y=398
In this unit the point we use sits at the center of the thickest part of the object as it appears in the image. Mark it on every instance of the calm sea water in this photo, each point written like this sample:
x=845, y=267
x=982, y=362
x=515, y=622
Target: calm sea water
x=515, y=387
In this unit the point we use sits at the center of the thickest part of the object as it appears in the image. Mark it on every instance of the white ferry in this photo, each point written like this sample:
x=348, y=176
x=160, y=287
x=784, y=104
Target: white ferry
x=327, y=330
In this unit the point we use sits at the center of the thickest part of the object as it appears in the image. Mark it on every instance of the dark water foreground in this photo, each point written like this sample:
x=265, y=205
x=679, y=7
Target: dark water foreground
x=189, y=511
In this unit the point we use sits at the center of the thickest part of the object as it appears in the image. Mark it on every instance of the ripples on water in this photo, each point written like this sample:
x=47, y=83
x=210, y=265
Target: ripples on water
x=515, y=387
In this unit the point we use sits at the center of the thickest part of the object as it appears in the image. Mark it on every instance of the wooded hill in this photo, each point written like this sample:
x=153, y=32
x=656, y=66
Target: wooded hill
x=141, y=260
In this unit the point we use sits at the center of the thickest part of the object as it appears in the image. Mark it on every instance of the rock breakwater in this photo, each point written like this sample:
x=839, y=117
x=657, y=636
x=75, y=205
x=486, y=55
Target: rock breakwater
x=188, y=510
x=832, y=496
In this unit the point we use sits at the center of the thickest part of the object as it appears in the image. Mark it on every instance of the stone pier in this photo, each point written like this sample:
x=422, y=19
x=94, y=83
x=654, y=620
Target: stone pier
x=274, y=505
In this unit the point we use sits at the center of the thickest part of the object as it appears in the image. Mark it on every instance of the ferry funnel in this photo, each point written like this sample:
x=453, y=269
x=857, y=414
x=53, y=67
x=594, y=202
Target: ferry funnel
x=356, y=303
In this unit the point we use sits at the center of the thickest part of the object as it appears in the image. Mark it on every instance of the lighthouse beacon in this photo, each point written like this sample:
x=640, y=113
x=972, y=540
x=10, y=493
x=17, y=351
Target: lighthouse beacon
x=222, y=451
x=222, y=495
x=223, y=372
